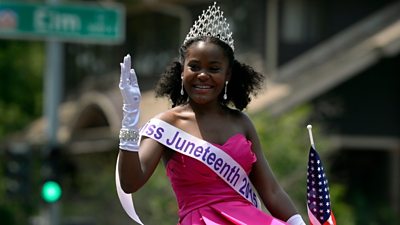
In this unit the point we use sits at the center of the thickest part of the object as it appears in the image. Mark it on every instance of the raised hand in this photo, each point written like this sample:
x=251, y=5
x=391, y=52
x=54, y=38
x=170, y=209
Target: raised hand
x=128, y=83
x=129, y=135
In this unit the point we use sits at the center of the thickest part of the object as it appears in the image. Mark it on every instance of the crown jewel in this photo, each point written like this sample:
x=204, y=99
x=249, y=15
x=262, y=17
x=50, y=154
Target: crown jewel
x=211, y=23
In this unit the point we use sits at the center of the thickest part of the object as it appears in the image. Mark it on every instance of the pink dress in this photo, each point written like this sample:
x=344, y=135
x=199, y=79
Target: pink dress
x=204, y=198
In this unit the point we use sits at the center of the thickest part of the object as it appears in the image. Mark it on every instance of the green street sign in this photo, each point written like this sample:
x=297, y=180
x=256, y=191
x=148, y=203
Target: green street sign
x=100, y=23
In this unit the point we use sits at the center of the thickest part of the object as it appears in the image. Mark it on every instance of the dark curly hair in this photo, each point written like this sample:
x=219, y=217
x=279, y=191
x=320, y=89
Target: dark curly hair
x=244, y=80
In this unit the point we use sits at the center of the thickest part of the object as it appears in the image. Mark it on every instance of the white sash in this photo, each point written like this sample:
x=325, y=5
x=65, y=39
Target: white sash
x=213, y=157
x=125, y=199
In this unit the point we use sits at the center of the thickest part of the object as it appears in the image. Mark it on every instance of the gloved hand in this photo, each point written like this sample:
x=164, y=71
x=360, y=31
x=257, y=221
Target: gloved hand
x=296, y=220
x=128, y=85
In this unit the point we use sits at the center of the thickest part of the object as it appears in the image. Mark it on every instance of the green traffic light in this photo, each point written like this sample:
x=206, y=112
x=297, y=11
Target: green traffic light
x=51, y=191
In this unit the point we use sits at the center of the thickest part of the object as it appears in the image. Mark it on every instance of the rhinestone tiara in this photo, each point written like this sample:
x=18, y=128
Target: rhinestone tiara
x=211, y=23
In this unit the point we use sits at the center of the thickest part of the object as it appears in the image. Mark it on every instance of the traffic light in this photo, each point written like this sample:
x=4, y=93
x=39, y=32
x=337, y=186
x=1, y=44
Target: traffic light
x=51, y=189
x=18, y=164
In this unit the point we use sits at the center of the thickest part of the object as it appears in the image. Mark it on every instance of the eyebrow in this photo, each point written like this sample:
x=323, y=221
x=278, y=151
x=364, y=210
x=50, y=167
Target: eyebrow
x=197, y=61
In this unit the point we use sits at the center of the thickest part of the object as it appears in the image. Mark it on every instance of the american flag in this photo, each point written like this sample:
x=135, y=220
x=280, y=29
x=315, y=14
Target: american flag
x=318, y=198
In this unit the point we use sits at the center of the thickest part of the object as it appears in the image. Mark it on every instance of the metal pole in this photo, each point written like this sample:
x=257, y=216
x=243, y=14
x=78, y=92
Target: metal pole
x=271, y=50
x=52, y=86
x=54, y=65
x=52, y=95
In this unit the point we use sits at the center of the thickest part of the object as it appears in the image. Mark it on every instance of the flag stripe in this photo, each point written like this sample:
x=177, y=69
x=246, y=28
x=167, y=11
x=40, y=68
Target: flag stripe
x=331, y=220
x=311, y=217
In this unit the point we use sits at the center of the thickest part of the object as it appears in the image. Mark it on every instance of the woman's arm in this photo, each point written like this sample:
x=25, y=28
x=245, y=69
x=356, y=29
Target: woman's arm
x=271, y=193
x=136, y=162
x=135, y=168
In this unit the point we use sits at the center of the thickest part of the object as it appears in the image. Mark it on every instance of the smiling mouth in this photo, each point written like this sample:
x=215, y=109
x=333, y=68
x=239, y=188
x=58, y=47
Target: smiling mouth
x=203, y=87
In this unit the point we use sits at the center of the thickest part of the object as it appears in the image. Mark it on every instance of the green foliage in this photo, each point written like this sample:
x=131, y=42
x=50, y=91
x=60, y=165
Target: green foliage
x=21, y=69
x=343, y=212
x=369, y=211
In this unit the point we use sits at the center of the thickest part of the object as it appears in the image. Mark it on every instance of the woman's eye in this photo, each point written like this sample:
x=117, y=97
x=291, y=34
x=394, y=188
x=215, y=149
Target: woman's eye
x=194, y=67
x=214, y=69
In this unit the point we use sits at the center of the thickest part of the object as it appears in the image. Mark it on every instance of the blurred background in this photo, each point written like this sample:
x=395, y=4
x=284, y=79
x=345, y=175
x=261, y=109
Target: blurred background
x=332, y=64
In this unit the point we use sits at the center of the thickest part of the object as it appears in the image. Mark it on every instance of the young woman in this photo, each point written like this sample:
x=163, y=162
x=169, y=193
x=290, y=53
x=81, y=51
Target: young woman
x=210, y=147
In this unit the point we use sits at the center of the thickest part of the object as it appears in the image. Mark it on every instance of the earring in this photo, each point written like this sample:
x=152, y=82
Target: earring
x=182, y=92
x=226, y=89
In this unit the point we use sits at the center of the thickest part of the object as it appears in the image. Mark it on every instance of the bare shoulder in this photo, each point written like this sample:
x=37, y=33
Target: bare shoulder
x=241, y=118
x=246, y=124
x=171, y=116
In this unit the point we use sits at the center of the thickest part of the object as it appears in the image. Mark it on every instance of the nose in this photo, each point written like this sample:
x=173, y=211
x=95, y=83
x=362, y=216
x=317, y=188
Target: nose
x=203, y=75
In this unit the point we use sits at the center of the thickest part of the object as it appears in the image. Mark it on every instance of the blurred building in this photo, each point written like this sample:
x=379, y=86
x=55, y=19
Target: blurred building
x=341, y=57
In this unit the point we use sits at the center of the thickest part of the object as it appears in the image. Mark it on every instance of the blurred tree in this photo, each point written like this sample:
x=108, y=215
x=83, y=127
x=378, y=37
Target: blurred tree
x=21, y=73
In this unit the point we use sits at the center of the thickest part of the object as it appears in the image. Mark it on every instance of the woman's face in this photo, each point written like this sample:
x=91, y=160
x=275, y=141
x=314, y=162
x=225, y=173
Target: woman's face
x=205, y=70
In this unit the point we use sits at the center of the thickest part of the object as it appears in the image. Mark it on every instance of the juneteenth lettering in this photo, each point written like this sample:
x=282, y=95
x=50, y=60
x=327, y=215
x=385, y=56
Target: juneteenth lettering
x=203, y=153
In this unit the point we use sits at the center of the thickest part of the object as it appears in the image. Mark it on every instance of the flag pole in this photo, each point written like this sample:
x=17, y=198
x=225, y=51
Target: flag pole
x=309, y=127
x=318, y=198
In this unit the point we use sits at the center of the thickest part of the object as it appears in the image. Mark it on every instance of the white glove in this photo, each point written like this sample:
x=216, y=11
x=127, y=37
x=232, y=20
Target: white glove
x=295, y=220
x=129, y=134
